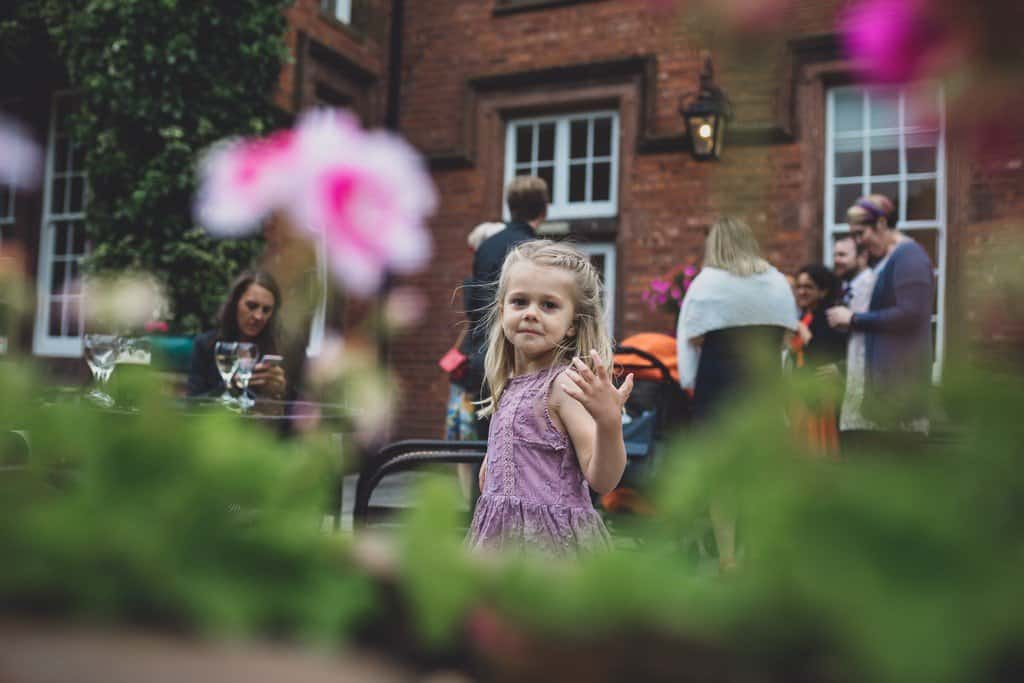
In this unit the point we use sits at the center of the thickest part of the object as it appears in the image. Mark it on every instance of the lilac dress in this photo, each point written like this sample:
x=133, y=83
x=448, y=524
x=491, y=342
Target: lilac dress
x=534, y=496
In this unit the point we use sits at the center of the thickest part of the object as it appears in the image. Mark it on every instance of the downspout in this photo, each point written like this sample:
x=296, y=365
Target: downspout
x=391, y=116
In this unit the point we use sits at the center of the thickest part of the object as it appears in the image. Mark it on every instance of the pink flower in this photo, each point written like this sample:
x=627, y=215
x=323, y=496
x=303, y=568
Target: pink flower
x=676, y=293
x=156, y=326
x=689, y=272
x=20, y=158
x=368, y=194
x=241, y=181
x=893, y=41
x=660, y=286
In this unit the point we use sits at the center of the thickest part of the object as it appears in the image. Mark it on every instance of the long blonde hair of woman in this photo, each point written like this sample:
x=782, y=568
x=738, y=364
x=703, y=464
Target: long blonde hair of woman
x=731, y=246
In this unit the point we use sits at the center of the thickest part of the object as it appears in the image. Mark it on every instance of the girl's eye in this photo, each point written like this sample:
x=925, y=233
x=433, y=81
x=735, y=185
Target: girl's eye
x=550, y=305
x=252, y=305
x=517, y=301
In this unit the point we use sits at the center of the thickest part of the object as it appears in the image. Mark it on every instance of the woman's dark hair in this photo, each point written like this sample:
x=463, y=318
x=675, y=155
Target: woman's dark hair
x=228, y=316
x=824, y=279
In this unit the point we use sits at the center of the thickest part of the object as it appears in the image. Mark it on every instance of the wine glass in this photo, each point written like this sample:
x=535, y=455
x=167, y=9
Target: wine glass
x=101, y=352
x=248, y=356
x=226, y=355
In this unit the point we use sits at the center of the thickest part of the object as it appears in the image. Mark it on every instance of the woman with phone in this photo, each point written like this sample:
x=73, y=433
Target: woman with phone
x=248, y=315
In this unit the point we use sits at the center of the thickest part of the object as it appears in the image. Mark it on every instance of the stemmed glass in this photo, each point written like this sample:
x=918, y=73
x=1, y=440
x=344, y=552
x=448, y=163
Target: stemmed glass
x=101, y=351
x=226, y=355
x=248, y=356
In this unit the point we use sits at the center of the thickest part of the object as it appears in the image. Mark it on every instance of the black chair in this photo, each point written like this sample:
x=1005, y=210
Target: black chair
x=403, y=456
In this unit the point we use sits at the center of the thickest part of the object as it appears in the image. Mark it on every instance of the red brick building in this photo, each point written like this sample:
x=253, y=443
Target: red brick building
x=587, y=94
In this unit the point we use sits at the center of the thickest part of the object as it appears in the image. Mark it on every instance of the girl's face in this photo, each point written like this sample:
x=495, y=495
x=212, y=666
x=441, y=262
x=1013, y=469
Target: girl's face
x=808, y=294
x=255, y=307
x=537, y=313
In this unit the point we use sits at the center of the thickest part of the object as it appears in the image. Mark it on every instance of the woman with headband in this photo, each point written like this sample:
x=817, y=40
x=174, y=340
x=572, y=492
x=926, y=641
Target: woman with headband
x=889, y=370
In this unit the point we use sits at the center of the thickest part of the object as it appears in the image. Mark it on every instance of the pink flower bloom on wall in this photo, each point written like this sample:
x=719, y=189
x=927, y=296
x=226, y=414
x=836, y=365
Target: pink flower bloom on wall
x=367, y=195
x=893, y=41
x=241, y=181
x=20, y=158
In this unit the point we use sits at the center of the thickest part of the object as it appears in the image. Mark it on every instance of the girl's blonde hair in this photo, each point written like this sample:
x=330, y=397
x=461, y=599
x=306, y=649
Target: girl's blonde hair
x=588, y=315
x=731, y=246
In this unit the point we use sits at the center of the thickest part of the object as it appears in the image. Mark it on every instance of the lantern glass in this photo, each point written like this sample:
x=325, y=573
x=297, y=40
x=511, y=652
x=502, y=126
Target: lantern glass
x=705, y=134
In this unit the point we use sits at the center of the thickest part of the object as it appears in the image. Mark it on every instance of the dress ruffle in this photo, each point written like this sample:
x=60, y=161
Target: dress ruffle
x=512, y=523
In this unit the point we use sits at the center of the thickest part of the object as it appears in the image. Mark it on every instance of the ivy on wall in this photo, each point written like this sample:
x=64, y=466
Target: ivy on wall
x=160, y=80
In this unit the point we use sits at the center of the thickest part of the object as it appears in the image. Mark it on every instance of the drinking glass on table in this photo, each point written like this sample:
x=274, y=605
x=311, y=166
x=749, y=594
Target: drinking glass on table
x=101, y=351
x=226, y=355
x=248, y=357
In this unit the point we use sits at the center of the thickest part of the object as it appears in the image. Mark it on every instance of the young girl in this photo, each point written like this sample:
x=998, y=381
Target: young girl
x=556, y=429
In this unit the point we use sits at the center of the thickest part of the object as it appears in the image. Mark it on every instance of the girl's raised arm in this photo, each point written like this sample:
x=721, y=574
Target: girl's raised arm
x=590, y=407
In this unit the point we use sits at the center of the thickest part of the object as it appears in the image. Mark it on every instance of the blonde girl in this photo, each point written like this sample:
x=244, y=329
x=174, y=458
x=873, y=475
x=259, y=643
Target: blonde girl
x=556, y=430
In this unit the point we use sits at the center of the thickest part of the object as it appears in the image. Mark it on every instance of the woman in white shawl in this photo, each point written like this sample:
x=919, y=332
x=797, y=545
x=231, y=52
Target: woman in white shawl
x=739, y=306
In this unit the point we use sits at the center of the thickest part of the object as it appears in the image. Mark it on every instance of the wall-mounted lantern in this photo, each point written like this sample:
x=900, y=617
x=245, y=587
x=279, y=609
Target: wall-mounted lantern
x=705, y=114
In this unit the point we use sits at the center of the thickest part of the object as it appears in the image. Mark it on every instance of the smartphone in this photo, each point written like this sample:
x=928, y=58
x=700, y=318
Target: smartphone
x=272, y=360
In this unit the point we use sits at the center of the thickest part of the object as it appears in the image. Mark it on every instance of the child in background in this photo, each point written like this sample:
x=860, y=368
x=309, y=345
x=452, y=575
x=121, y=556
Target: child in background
x=556, y=430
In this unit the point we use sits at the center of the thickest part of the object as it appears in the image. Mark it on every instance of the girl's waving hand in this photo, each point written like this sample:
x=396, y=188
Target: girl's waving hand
x=590, y=408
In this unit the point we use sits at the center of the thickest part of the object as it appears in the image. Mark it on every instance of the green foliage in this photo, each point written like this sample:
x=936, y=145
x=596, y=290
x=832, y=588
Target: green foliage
x=199, y=522
x=160, y=81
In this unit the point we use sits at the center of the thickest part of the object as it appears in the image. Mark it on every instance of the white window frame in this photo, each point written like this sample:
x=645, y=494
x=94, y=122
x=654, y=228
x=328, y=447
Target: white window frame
x=607, y=250
x=43, y=344
x=318, y=326
x=939, y=224
x=340, y=10
x=560, y=207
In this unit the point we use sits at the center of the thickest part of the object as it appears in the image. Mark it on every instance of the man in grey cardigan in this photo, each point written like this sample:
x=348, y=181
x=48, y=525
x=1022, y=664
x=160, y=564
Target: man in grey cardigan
x=897, y=329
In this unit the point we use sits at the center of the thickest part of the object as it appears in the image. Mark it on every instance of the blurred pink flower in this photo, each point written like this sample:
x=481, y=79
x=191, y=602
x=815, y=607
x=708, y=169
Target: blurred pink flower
x=20, y=157
x=156, y=326
x=404, y=307
x=893, y=41
x=369, y=194
x=241, y=181
x=366, y=194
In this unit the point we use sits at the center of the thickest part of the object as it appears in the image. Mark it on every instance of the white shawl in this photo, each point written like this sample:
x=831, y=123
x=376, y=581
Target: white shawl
x=717, y=299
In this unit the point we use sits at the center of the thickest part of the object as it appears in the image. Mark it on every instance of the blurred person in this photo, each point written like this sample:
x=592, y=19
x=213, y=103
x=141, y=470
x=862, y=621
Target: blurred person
x=556, y=432
x=249, y=314
x=849, y=260
x=818, y=350
x=738, y=307
x=896, y=324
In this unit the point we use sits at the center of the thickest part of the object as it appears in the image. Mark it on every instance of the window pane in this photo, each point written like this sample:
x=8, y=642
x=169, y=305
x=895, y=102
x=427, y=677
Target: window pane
x=922, y=152
x=60, y=155
x=603, y=137
x=74, y=282
x=60, y=239
x=523, y=170
x=78, y=241
x=920, y=200
x=885, y=155
x=890, y=190
x=848, y=111
x=602, y=182
x=56, y=313
x=71, y=308
x=524, y=144
x=846, y=195
x=578, y=140
x=5, y=202
x=849, y=159
x=76, y=201
x=546, y=143
x=57, y=277
x=578, y=183
x=885, y=110
x=77, y=163
x=929, y=240
x=548, y=174
x=57, y=196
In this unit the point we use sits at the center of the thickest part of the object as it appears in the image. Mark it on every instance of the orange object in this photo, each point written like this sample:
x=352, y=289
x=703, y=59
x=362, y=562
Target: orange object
x=626, y=500
x=661, y=346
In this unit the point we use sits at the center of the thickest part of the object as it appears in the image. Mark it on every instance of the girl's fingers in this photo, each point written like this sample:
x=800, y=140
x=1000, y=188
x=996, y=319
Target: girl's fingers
x=602, y=371
x=573, y=390
x=627, y=388
x=585, y=372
